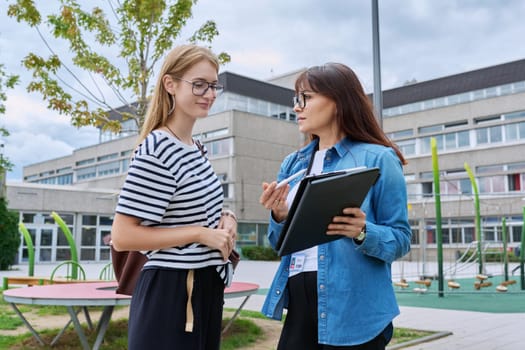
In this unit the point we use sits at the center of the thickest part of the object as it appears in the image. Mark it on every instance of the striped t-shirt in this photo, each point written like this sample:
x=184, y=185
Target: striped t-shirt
x=171, y=184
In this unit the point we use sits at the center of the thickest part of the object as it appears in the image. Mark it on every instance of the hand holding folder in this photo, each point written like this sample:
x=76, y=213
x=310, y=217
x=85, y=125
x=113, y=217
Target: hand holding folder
x=319, y=198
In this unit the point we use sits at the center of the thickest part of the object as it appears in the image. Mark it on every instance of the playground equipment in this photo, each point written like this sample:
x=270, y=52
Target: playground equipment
x=502, y=287
x=481, y=246
x=402, y=283
x=453, y=284
x=70, y=240
x=425, y=282
x=482, y=282
x=30, y=248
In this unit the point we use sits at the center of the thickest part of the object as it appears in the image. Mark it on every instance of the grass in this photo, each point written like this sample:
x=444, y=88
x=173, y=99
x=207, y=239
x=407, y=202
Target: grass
x=402, y=335
x=243, y=331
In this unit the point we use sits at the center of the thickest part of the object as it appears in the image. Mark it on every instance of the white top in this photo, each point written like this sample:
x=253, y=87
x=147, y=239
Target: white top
x=305, y=260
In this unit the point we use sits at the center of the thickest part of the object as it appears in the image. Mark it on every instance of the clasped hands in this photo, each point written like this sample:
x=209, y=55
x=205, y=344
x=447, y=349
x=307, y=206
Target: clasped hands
x=226, y=235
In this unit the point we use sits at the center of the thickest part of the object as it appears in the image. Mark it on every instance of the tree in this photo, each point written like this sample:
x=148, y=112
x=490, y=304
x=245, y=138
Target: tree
x=141, y=33
x=9, y=236
x=6, y=82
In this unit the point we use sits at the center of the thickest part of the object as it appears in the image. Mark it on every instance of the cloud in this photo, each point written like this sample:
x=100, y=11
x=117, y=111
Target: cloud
x=38, y=134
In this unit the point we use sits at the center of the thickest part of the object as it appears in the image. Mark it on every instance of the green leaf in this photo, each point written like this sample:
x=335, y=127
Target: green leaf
x=118, y=51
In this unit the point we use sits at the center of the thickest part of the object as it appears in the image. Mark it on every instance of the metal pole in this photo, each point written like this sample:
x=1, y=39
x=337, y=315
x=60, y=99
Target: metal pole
x=378, y=94
x=522, y=253
x=439, y=233
x=505, y=253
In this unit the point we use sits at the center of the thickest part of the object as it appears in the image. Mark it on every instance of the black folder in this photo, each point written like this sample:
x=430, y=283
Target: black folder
x=319, y=198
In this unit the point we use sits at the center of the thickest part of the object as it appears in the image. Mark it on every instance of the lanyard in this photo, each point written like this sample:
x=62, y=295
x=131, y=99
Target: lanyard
x=311, y=163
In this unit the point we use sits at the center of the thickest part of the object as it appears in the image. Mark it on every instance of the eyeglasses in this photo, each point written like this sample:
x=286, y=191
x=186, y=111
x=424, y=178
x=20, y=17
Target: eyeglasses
x=300, y=100
x=199, y=87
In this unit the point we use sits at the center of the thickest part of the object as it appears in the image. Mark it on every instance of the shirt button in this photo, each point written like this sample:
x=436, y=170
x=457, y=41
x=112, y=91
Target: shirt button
x=278, y=292
x=321, y=257
x=321, y=286
x=323, y=315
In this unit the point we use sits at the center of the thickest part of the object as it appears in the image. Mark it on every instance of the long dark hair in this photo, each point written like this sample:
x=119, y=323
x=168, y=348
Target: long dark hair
x=355, y=112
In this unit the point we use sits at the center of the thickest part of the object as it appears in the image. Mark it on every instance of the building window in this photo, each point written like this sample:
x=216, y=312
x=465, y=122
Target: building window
x=492, y=134
x=401, y=134
x=64, y=170
x=86, y=173
x=247, y=234
x=415, y=234
x=489, y=169
x=515, y=131
x=124, y=164
x=429, y=129
x=427, y=189
x=431, y=234
x=491, y=184
x=85, y=162
x=109, y=168
x=65, y=179
x=515, y=181
x=424, y=145
x=107, y=157
x=407, y=147
x=219, y=148
x=515, y=233
x=469, y=234
x=88, y=237
x=211, y=134
x=514, y=115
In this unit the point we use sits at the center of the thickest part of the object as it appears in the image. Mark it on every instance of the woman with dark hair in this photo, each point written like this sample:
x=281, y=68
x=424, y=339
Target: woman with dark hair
x=339, y=295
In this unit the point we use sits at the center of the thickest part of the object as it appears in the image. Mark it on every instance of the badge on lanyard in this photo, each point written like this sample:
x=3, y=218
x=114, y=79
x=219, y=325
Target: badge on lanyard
x=297, y=262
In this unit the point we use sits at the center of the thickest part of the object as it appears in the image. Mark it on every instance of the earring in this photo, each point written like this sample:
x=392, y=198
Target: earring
x=172, y=105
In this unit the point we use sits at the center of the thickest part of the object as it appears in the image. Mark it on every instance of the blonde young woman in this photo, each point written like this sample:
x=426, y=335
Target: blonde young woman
x=170, y=208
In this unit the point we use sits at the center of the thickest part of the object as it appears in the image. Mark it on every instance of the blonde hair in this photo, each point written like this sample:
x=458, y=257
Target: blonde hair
x=177, y=62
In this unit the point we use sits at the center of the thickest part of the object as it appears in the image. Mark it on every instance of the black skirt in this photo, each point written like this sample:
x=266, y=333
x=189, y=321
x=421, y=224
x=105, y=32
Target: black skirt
x=158, y=310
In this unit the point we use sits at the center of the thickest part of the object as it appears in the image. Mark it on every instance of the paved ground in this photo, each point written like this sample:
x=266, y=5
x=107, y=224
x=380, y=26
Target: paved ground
x=470, y=330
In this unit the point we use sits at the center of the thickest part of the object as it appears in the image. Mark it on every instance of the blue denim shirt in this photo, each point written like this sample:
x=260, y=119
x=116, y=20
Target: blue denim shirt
x=356, y=300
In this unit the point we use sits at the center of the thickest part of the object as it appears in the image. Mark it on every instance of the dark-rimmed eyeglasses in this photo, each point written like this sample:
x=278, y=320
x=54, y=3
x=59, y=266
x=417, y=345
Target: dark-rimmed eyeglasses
x=200, y=87
x=300, y=100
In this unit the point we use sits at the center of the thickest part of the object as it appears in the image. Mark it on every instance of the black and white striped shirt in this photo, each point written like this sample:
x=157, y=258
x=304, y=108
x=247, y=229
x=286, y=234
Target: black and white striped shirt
x=171, y=184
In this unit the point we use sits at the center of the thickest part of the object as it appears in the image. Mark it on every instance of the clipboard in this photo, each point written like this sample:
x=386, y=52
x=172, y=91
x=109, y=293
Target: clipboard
x=319, y=198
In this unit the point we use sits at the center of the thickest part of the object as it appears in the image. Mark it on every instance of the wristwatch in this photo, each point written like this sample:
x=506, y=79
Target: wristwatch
x=362, y=235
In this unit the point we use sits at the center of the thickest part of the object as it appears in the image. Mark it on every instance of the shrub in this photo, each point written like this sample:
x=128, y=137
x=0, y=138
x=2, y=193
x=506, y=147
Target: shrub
x=259, y=253
x=9, y=235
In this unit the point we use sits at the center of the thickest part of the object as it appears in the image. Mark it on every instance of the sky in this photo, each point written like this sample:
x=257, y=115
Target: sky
x=420, y=39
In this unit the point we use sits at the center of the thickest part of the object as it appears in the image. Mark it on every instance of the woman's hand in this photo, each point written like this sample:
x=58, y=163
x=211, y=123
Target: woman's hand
x=229, y=223
x=275, y=199
x=220, y=239
x=349, y=225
